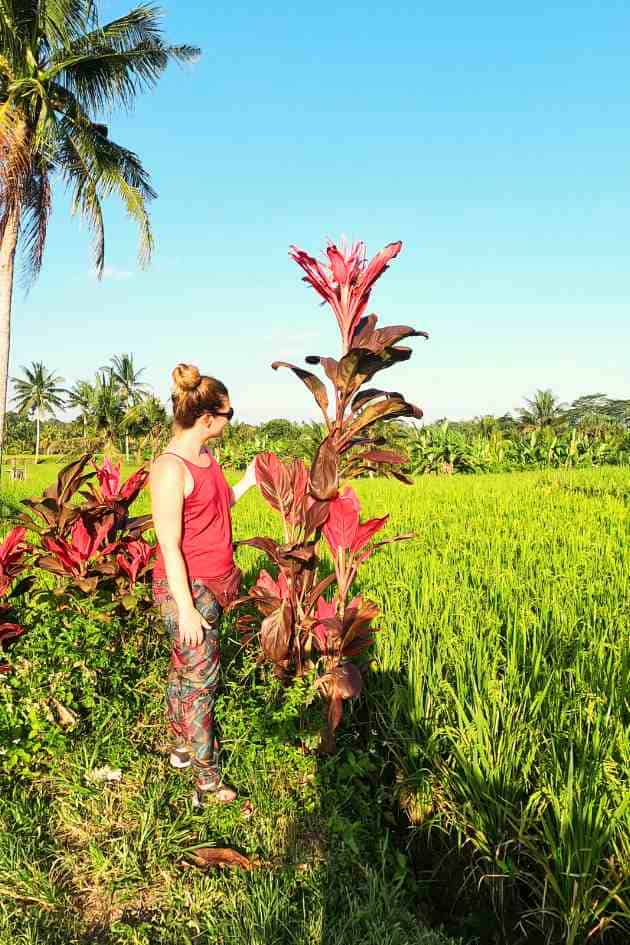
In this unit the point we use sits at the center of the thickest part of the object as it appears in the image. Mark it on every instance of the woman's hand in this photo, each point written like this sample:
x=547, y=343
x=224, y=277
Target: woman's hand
x=249, y=479
x=191, y=627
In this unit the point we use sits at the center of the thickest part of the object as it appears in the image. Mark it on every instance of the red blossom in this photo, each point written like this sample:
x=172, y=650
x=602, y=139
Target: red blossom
x=346, y=281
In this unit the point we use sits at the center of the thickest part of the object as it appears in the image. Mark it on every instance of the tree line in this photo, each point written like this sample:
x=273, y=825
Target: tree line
x=118, y=414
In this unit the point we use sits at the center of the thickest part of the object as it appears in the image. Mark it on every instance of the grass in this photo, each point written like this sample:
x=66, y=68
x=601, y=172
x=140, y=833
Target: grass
x=482, y=782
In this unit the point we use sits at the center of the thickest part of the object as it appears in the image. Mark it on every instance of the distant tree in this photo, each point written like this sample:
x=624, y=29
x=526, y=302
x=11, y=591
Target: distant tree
x=132, y=389
x=38, y=395
x=278, y=429
x=148, y=419
x=543, y=410
x=108, y=409
x=19, y=435
x=81, y=397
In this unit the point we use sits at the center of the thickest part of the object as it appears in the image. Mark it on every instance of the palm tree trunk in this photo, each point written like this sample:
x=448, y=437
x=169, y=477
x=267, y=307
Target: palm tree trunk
x=127, y=447
x=37, y=438
x=7, y=265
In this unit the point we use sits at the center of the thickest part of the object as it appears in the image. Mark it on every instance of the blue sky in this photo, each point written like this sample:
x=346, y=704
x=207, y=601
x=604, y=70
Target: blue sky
x=494, y=144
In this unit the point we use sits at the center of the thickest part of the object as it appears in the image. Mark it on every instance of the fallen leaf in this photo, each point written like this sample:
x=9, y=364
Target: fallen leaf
x=206, y=857
x=65, y=716
x=247, y=810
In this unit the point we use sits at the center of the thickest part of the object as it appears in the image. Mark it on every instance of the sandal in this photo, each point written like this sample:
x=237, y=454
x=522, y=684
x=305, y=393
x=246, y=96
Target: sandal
x=216, y=792
x=180, y=758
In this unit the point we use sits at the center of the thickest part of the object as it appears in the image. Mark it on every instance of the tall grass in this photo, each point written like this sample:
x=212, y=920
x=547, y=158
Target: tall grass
x=502, y=684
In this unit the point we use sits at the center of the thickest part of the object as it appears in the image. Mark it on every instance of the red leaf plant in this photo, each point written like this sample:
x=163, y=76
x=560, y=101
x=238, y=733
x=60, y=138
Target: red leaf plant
x=297, y=627
x=93, y=544
x=12, y=560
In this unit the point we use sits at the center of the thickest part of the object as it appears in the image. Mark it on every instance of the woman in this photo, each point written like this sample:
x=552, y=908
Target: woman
x=195, y=575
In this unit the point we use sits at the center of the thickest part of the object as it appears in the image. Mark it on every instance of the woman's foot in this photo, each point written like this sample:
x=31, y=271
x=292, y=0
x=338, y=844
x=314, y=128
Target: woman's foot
x=180, y=758
x=213, y=792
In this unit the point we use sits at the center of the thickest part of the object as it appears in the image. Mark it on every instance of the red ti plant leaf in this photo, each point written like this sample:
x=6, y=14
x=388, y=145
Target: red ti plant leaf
x=134, y=485
x=274, y=481
x=222, y=857
x=325, y=610
x=134, y=559
x=275, y=633
x=108, y=477
x=384, y=456
x=343, y=682
x=8, y=633
x=324, y=479
x=298, y=475
x=371, y=338
x=69, y=479
x=312, y=382
x=343, y=521
x=12, y=552
x=110, y=490
x=316, y=515
x=365, y=531
x=344, y=529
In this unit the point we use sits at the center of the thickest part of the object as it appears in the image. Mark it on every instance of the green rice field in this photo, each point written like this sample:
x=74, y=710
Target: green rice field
x=480, y=792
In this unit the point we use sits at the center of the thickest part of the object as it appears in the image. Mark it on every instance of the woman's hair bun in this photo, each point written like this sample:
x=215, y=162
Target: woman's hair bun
x=186, y=377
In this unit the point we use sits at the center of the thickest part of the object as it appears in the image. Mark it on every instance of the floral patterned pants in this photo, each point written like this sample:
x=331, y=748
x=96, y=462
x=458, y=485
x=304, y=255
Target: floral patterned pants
x=193, y=680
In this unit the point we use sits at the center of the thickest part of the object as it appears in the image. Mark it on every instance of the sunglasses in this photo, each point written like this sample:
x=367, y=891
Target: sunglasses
x=228, y=414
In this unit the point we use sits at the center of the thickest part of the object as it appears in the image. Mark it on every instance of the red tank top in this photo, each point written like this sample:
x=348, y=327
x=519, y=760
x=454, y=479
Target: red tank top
x=206, y=542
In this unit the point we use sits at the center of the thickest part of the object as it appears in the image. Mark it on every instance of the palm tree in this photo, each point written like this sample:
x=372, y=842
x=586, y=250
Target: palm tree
x=58, y=69
x=131, y=388
x=81, y=397
x=543, y=410
x=108, y=410
x=37, y=395
x=148, y=417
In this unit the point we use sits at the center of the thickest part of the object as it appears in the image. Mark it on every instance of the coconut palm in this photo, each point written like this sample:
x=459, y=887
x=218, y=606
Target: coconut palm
x=132, y=389
x=37, y=394
x=148, y=418
x=81, y=397
x=59, y=69
x=543, y=410
x=108, y=410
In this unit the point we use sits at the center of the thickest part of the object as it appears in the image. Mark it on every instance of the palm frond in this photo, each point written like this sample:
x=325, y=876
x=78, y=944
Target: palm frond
x=35, y=215
x=61, y=22
x=111, y=65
